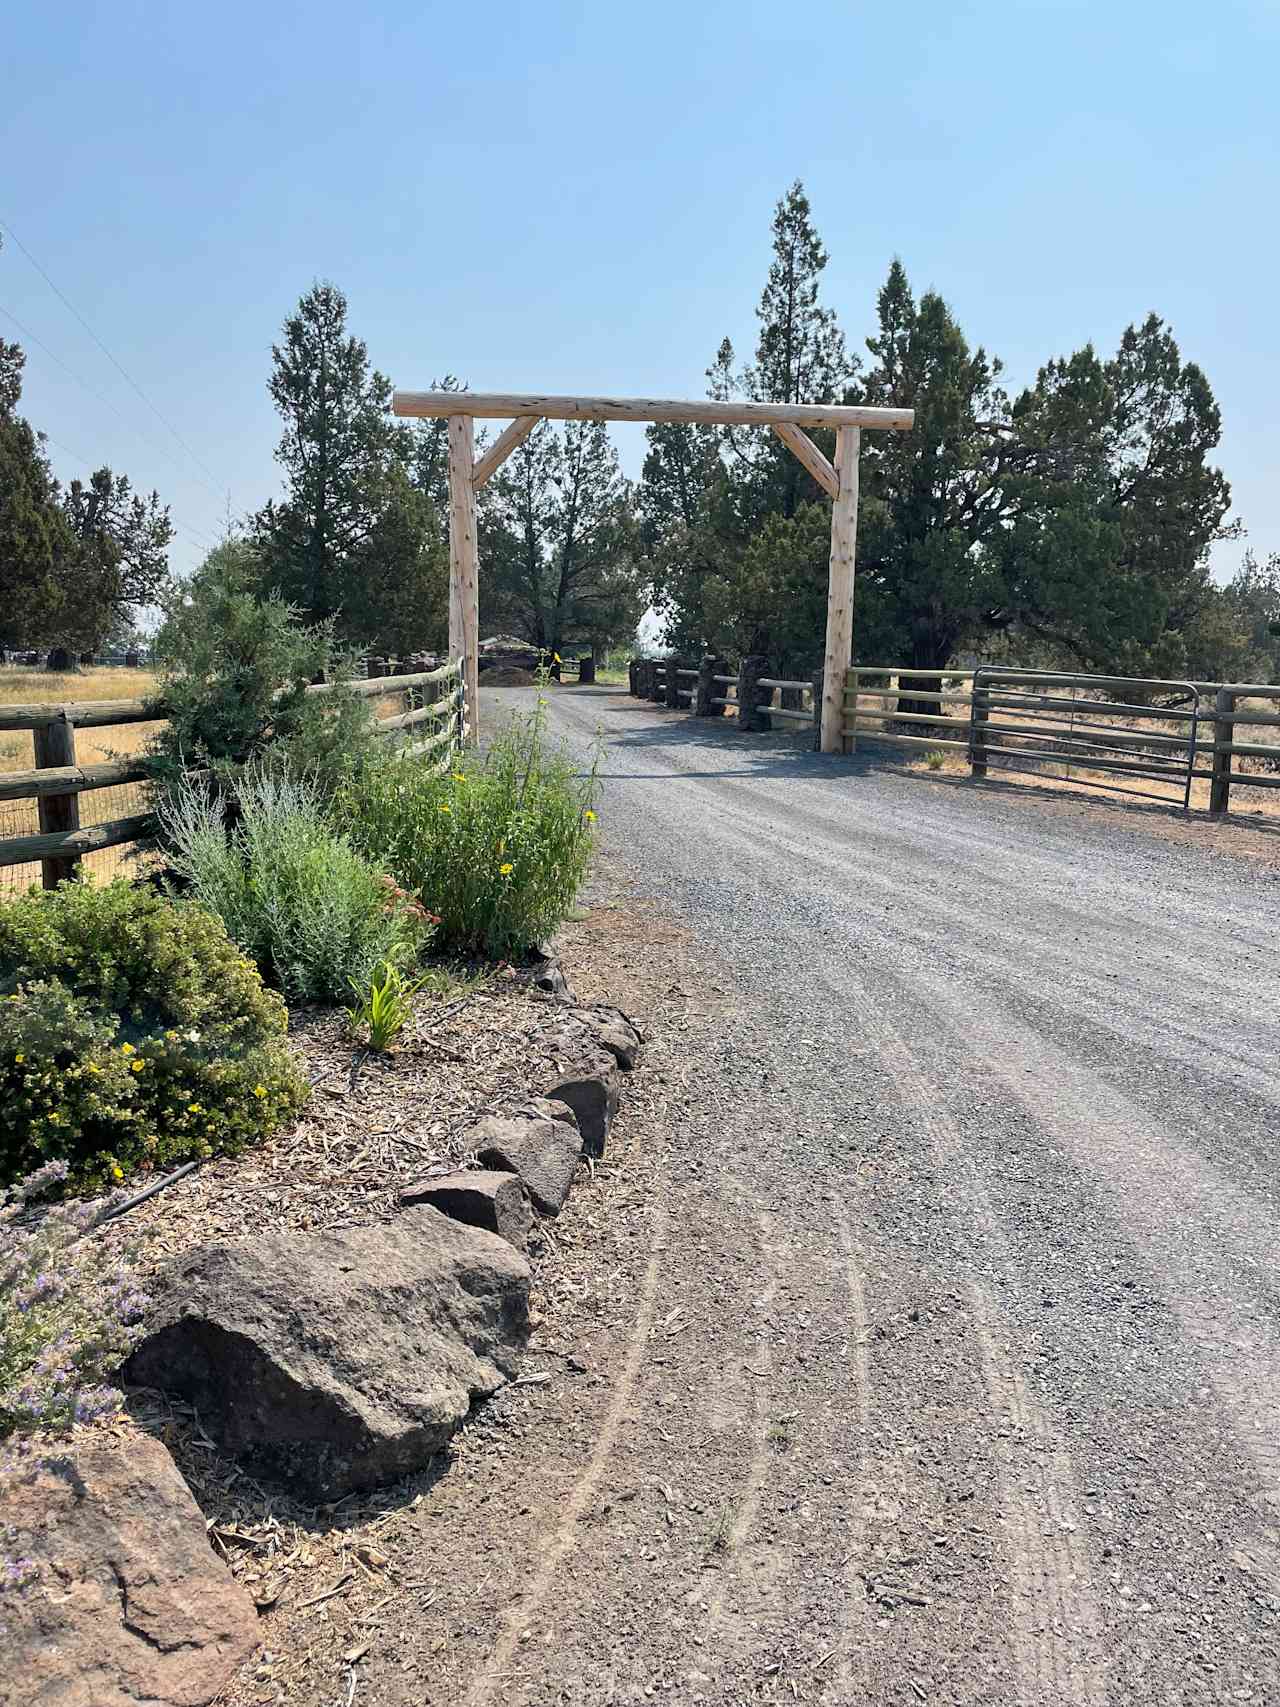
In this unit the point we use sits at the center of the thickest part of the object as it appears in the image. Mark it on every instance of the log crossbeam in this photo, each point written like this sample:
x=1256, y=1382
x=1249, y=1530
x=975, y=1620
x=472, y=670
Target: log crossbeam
x=524, y=410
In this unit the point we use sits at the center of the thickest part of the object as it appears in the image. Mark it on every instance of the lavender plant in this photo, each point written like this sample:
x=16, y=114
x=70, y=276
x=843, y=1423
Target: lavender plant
x=70, y=1306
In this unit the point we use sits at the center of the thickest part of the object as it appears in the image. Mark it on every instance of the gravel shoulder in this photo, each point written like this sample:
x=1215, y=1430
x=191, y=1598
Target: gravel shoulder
x=919, y=1340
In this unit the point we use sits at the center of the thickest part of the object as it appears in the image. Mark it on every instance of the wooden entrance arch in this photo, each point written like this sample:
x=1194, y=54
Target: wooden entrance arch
x=467, y=475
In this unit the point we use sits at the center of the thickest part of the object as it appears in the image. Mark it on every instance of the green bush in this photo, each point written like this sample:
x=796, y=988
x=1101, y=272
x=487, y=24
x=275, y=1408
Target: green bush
x=235, y=667
x=312, y=914
x=132, y=1033
x=497, y=848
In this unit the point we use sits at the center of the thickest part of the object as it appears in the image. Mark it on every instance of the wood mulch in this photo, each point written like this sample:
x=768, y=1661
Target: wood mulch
x=372, y=1123
x=326, y=1578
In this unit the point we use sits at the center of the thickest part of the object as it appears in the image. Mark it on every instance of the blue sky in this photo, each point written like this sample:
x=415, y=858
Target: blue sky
x=574, y=197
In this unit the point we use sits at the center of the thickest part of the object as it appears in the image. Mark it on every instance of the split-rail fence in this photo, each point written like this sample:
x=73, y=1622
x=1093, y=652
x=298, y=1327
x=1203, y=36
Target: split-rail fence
x=1131, y=735
x=435, y=723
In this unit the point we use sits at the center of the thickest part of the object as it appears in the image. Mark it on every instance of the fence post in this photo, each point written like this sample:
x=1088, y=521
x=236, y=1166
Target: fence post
x=587, y=669
x=979, y=712
x=633, y=671
x=55, y=744
x=673, y=683
x=1224, y=733
x=657, y=684
x=709, y=667
x=819, y=676
x=751, y=696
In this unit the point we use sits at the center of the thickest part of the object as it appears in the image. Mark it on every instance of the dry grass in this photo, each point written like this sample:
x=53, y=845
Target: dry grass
x=1261, y=799
x=22, y=686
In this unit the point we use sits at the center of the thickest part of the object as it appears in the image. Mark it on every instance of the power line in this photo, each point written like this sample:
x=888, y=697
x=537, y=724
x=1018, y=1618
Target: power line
x=120, y=368
x=84, y=385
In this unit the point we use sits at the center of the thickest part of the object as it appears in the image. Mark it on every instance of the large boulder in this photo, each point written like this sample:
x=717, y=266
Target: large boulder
x=479, y=1197
x=129, y=1606
x=338, y=1360
x=539, y=1141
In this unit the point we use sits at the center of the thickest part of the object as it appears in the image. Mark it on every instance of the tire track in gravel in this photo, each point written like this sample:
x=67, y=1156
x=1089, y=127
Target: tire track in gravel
x=1055, y=1625
x=565, y=1537
x=1041, y=1331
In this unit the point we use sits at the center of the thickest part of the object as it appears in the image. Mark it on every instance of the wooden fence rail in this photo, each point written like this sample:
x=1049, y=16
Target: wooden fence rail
x=437, y=713
x=1014, y=718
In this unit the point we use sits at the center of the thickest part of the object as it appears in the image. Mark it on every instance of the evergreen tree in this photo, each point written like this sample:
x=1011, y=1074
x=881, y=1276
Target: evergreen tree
x=74, y=563
x=935, y=498
x=557, y=540
x=1110, y=560
x=706, y=494
x=800, y=358
x=34, y=537
x=118, y=561
x=350, y=541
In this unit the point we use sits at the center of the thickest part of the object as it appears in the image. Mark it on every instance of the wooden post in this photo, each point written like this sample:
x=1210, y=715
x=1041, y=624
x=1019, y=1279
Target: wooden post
x=844, y=530
x=464, y=579
x=1224, y=733
x=979, y=713
x=710, y=666
x=55, y=744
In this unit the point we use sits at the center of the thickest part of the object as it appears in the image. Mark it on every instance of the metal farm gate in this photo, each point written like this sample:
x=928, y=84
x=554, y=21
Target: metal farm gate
x=1062, y=724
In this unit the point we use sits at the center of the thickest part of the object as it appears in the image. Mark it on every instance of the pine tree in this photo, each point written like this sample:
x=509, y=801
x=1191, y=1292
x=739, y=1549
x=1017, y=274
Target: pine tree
x=800, y=358
x=558, y=541
x=34, y=538
x=118, y=561
x=345, y=525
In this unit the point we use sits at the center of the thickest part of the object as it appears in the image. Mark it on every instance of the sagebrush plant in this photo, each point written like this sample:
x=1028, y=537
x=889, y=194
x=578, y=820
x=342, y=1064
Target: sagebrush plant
x=235, y=665
x=133, y=1033
x=497, y=847
x=308, y=909
x=935, y=760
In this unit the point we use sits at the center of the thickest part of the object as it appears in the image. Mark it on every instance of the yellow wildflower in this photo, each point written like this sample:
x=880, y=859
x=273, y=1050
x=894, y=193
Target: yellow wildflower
x=505, y=870
x=445, y=806
x=117, y=1173
x=136, y=1065
x=194, y=1108
x=19, y=1058
x=127, y=1049
x=458, y=776
x=589, y=816
x=95, y=1069
x=259, y=1090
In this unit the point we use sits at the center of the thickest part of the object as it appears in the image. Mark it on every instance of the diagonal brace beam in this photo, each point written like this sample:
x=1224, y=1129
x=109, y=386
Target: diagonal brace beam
x=802, y=446
x=501, y=449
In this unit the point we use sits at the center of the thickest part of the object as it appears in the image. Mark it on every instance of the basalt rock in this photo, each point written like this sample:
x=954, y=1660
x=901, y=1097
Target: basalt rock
x=129, y=1607
x=339, y=1360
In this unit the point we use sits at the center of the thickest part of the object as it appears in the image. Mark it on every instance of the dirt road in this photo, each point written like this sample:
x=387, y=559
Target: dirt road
x=936, y=1351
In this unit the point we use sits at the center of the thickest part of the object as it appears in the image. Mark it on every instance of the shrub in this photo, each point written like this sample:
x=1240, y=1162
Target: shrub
x=132, y=1033
x=69, y=1310
x=498, y=848
x=292, y=892
x=235, y=668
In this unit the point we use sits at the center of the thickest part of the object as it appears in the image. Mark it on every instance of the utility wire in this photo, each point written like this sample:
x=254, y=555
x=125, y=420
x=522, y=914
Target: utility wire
x=84, y=385
x=66, y=301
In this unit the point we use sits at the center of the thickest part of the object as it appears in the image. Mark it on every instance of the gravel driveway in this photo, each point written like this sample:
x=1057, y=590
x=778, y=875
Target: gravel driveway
x=938, y=1354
